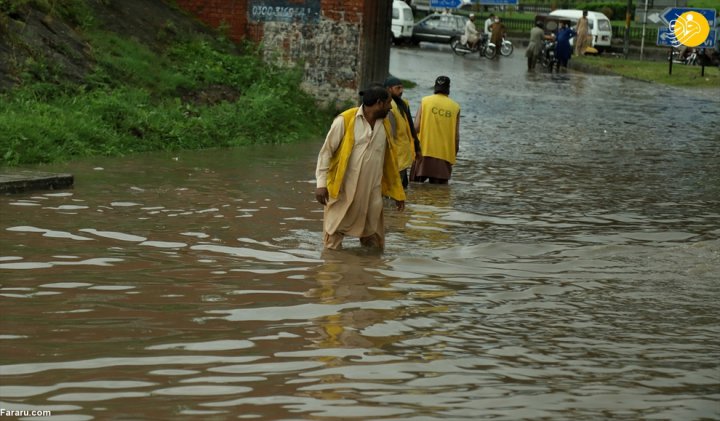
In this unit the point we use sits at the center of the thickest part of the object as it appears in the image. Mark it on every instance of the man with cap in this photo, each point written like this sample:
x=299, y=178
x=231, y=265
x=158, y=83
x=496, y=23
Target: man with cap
x=356, y=167
x=405, y=141
x=438, y=126
x=472, y=35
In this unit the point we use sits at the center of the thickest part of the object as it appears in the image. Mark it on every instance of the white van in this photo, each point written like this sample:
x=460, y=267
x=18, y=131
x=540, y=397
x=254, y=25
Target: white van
x=402, y=21
x=598, y=26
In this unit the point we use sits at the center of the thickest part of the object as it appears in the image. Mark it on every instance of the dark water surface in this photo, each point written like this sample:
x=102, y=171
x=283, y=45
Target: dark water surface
x=571, y=271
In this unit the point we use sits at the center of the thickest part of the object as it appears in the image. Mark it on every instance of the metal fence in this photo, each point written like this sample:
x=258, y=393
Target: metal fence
x=651, y=33
x=518, y=25
x=523, y=26
x=536, y=8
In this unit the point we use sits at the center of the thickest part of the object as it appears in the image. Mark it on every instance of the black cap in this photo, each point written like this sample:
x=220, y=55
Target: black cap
x=442, y=85
x=392, y=81
x=442, y=81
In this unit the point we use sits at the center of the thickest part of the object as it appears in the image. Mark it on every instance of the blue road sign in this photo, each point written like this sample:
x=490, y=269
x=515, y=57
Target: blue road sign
x=450, y=4
x=672, y=13
x=666, y=38
x=456, y=4
x=711, y=40
x=502, y=2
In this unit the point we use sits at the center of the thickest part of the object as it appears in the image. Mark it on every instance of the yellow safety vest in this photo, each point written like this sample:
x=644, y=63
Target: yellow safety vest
x=391, y=184
x=438, y=127
x=403, y=142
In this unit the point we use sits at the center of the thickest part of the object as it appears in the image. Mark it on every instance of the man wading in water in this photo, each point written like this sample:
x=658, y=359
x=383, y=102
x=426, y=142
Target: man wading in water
x=356, y=167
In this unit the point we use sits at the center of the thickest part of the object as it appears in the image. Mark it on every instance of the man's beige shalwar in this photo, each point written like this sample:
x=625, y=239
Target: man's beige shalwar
x=358, y=208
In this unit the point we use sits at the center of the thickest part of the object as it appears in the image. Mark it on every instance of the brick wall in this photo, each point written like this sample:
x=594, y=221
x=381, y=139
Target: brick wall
x=339, y=51
x=231, y=14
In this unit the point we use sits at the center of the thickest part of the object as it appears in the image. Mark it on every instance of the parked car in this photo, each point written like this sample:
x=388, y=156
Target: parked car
x=402, y=22
x=439, y=28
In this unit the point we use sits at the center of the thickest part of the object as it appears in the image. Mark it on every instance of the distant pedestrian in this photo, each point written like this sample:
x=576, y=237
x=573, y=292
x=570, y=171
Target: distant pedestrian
x=488, y=23
x=438, y=126
x=582, y=41
x=356, y=167
x=563, y=51
x=497, y=33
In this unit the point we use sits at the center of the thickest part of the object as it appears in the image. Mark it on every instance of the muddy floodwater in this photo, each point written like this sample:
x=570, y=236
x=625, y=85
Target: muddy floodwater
x=570, y=271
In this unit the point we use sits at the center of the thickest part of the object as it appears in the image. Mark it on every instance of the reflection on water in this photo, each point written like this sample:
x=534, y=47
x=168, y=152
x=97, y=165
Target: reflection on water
x=568, y=272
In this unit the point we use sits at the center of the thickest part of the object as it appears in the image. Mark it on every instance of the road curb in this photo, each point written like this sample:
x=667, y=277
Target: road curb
x=22, y=181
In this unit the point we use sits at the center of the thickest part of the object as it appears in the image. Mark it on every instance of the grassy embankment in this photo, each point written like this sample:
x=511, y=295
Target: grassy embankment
x=653, y=71
x=138, y=100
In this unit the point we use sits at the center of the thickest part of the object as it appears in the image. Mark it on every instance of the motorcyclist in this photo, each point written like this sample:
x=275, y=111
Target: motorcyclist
x=471, y=33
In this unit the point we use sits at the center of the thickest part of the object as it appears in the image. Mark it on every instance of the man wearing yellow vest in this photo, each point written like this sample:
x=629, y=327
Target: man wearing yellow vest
x=438, y=126
x=405, y=141
x=356, y=167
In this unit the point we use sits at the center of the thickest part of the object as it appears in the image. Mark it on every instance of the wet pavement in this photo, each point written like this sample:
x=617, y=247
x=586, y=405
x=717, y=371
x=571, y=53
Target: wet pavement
x=569, y=271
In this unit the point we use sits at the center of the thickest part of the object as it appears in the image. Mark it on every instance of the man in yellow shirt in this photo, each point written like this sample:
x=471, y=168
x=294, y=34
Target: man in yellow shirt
x=406, y=142
x=356, y=167
x=438, y=127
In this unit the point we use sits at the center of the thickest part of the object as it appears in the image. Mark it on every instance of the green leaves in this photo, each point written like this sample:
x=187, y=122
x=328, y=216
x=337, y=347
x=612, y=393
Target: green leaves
x=195, y=96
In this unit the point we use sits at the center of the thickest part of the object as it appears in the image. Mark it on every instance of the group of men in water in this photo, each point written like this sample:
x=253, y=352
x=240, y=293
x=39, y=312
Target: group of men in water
x=369, y=151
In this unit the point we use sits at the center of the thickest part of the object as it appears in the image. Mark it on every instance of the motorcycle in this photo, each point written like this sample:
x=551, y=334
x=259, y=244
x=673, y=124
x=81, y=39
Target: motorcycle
x=547, y=55
x=484, y=47
x=687, y=56
x=676, y=56
x=506, y=48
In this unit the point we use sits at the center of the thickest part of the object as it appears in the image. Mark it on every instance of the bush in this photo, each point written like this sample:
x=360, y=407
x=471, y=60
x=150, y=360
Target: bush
x=613, y=10
x=137, y=101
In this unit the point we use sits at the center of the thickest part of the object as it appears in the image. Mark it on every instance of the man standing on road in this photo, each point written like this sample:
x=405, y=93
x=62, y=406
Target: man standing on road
x=356, y=167
x=488, y=23
x=406, y=142
x=497, y=30
x=563, y=50
x=438, y=126
x=581, y=41
x=537, y=36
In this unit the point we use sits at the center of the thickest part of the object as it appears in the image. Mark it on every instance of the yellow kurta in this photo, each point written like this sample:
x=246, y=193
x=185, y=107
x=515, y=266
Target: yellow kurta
x=581, y=40
x=357, y=209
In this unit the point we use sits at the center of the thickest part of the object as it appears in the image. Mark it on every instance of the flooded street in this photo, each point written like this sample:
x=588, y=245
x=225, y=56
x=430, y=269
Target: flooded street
x=570, y=271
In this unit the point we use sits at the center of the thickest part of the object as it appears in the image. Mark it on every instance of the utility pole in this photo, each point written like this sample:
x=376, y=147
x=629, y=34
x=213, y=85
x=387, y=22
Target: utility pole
x=626, y=47
x=642, y=41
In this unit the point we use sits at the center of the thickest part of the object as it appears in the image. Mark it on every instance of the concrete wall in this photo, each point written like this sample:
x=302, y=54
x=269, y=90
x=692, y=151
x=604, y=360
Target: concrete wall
x=342, y=45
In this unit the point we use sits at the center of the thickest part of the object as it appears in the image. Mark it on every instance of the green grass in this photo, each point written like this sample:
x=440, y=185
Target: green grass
x=705, y=4
x=657, y=72
x=136, y=100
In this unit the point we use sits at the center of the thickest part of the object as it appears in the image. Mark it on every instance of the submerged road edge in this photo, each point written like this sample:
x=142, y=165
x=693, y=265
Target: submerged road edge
x=23, y=181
